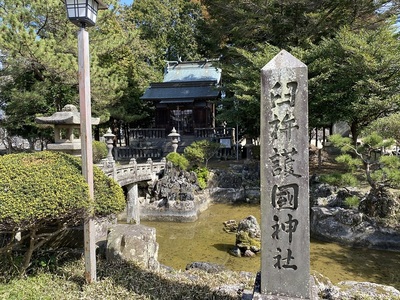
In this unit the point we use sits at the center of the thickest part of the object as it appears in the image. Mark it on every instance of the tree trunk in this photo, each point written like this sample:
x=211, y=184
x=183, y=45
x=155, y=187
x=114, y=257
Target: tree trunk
x=29, y=252
x=354, y=132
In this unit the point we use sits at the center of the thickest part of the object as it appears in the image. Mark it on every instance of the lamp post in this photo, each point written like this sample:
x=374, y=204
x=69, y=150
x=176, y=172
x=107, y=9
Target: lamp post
x=83, y=13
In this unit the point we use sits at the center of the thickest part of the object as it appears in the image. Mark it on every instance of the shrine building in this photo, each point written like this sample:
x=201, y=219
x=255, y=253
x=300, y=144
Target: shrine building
x=186, y=98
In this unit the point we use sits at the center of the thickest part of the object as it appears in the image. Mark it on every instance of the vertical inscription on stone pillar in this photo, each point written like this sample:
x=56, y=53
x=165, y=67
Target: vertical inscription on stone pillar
x=285, y=260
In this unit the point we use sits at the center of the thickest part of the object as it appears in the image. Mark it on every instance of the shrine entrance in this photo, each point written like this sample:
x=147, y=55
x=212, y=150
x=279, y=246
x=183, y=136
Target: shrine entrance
x=182, y=120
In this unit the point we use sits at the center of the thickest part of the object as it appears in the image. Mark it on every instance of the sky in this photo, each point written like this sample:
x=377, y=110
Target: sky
x=126, y=2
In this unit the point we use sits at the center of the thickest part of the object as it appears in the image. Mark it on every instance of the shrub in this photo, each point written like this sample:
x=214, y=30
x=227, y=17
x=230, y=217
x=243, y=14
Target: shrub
x=178, y=160
x=46, y=189
x=202, y=176
x=99, y=151
x=201, y=151
x=338, y=179
x=352, y=201
x=381, y=172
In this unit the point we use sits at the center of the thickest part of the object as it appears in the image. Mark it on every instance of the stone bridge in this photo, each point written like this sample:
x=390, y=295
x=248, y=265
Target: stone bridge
x=128, y=176
x=133, y=172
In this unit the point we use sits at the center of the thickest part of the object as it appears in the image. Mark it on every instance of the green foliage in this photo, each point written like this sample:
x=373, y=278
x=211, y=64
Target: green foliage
x=352, y=201
x=387, y=127
x=202, y=176
x=46, y=190
x=285, y=24
x=49, y=185
x=99, y=151
x=170, y=26
x=178, y=160
x=349, y=161
x=241, y=107
x=380, y=171
x=389, y=173
x=39, y=47
x=200, y=152
x=38, y=186
x=108, y=195
x=354, y=77
x=338, y=179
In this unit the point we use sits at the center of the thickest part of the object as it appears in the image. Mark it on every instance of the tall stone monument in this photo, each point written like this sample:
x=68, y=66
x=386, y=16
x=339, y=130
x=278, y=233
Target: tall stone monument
x=285, y=257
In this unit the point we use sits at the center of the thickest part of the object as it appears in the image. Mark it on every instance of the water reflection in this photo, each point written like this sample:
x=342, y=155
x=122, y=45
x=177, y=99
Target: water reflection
x=205, y=240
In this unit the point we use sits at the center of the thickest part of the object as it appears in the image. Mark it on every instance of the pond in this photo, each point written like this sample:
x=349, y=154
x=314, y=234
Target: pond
x=205, y=240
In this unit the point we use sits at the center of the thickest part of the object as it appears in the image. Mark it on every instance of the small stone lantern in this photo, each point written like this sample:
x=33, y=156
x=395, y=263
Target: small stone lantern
x=110, y=144
x=174, y=139
x=66, y=129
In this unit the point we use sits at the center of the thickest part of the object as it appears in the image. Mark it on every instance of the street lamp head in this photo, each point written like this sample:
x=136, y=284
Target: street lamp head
x=83, y=13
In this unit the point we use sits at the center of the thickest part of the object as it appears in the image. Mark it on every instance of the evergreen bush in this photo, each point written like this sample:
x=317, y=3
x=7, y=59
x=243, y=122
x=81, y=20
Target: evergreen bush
x=178, y=160
x=99, y=151
x=201, y=152
x=352, y=201
x=47, y=190
x=202, y=176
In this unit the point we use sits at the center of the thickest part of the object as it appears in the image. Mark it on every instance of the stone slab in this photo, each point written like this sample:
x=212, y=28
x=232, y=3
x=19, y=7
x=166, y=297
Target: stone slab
x=285, y=257
x=258, y=296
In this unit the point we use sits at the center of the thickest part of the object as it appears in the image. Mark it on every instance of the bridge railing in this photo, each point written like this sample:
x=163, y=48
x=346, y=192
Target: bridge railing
x=133, y=172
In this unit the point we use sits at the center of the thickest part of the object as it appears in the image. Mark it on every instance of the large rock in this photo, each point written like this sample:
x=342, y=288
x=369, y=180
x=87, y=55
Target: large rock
x=238, y=183
x=248, y=237
x=132, y=242
x=381, y=203
x=352, y=228
x=353, y=290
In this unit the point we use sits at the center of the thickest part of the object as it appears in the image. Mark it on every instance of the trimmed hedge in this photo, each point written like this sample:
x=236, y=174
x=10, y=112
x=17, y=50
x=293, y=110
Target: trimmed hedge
x=49, y=185
x=178, y=160
x=99, y=151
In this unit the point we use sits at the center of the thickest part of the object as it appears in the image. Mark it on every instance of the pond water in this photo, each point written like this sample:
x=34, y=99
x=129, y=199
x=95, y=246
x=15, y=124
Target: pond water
x=205, y=240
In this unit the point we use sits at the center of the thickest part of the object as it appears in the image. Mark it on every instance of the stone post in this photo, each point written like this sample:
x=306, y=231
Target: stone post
x=132, y=206
x=285, y=254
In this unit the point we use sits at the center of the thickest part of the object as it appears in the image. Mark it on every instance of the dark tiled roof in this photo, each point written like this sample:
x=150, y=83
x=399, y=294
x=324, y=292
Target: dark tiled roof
x=182, y=90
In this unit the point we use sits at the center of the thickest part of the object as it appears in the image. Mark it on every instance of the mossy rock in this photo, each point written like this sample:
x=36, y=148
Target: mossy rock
x=244, y=241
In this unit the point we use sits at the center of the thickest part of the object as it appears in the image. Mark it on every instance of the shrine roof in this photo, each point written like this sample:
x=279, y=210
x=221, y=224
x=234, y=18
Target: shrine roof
x=192, y=71
x=168, y=90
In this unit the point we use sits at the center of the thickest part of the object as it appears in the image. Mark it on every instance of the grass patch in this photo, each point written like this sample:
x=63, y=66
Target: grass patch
x=122, y=280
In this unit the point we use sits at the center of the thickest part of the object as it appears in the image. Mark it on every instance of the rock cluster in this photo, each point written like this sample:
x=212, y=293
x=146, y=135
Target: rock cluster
x=248, y=235
x=175, y=185
x=353, y=290
x=176, y=196
x=332, y=220
x=238, y=183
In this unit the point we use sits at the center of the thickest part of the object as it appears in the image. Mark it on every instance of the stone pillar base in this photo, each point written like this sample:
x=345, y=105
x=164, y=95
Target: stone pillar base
x=258, y=296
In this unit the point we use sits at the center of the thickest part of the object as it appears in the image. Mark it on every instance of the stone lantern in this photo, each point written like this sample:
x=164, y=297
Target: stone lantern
x=174, y=139
x=109, y=137
x=66, y=129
